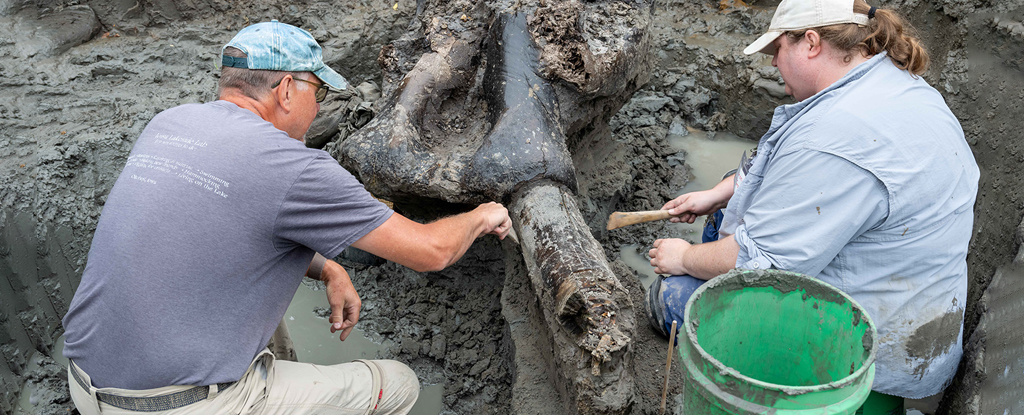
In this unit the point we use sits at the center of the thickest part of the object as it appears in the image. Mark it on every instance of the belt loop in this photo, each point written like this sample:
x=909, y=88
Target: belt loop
x=86, y=384
x=214, y=389
x=377, y=382
x=95, y=399
x=263, y=366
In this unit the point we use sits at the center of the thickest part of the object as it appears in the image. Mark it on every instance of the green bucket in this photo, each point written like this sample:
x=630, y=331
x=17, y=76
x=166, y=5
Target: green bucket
x=760, y=342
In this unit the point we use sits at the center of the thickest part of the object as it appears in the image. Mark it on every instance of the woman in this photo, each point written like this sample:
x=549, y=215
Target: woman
x=866, y=183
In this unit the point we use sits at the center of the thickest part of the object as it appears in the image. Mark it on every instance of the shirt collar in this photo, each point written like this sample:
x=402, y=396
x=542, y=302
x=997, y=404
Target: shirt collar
x=784, y=113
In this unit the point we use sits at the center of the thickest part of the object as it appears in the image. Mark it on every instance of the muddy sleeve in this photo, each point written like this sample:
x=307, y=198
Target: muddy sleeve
x=811, y=204
x=327, y=209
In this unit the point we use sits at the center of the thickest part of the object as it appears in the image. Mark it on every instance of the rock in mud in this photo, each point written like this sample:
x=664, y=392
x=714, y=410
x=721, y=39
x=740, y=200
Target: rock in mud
x=52, y=32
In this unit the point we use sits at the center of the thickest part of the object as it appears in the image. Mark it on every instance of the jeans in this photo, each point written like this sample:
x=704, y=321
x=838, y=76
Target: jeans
x=667, y=296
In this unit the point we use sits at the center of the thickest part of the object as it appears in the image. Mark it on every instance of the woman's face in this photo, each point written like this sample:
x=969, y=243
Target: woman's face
x=792, y=61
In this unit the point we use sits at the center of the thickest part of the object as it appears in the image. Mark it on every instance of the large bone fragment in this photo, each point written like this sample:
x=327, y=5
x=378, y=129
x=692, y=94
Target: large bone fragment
x=587, y=310
x=408, y=151
x=481, y=100
x=441, y=136
x=526, y=141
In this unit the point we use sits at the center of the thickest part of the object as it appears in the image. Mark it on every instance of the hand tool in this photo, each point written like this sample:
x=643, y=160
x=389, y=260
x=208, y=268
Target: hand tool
x=620, y=219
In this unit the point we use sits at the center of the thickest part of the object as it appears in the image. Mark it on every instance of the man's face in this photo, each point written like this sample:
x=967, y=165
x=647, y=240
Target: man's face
x=307, y=107
x=791, y=60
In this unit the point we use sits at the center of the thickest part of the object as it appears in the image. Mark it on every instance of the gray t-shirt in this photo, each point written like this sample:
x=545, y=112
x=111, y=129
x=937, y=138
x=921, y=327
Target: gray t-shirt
x=202, y=243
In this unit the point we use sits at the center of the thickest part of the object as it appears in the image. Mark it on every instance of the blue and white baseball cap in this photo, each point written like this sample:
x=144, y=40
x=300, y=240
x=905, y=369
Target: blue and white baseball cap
x=280, y=46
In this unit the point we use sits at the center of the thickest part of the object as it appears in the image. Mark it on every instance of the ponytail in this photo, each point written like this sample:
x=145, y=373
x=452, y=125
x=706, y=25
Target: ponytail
x=886, y=31
x=892, y=33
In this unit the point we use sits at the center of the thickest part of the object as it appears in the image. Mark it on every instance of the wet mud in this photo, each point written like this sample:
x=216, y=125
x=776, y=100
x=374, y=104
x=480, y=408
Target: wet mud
x=447, y=326
x=935, y=337
x=74, y=100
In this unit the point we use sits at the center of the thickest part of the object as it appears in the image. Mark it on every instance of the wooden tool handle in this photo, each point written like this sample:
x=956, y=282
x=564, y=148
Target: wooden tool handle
x=619, y=219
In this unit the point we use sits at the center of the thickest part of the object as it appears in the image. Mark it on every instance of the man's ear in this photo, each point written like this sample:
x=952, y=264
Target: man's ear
x=283, y=93
x=813, y=43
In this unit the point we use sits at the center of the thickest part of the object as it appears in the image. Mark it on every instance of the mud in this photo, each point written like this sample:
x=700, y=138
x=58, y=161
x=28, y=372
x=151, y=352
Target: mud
x=989, y=382
x=72, y=106
x=447, y=326
x=935, y=337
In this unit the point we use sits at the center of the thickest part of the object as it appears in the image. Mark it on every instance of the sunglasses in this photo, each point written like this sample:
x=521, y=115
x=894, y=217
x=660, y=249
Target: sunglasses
x=321, y=89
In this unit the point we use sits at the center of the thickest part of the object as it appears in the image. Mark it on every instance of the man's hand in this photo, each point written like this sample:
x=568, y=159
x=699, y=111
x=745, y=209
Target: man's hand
x=344, y=300
x=667, y=256
x=438, y=244
x=496, y=220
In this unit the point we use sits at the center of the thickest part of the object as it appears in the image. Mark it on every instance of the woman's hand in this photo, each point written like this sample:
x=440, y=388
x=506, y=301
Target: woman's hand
x=667, y=256
x=689, y=206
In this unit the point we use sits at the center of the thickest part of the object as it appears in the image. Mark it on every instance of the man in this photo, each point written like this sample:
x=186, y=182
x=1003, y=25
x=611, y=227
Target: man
x=208, y=231
x=866, y=183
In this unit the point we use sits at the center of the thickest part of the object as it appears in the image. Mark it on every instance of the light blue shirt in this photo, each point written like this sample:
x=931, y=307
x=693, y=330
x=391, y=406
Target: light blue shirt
x=870, y=186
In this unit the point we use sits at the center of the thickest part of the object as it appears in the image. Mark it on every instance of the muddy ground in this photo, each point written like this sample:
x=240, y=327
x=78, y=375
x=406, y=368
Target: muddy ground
x=80, y=79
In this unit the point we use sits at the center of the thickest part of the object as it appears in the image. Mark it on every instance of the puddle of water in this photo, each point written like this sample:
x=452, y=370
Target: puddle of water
x=709, y=159
x=314, y=343
x=639, y=262
x=26, y=404
x=58, y=352
x=429, y=402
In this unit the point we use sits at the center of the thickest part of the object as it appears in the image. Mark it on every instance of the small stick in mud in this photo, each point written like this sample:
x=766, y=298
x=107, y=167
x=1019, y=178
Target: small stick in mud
x=668, y=365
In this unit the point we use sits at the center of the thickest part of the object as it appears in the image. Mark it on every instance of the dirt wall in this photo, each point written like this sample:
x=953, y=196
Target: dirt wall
x=77, y=86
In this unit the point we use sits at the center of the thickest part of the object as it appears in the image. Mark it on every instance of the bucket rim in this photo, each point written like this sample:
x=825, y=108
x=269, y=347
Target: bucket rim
x=788, y=389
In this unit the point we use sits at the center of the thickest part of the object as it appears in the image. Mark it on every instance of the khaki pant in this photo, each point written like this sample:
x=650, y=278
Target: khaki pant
x=281, y=387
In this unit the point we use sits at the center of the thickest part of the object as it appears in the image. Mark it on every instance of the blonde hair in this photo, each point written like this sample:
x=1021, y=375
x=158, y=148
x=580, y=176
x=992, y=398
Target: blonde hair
x=886, y=31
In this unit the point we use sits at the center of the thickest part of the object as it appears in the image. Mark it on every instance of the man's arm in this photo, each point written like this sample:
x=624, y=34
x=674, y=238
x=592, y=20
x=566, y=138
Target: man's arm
x=436, y=245
x=341, y=294
x=704, y=261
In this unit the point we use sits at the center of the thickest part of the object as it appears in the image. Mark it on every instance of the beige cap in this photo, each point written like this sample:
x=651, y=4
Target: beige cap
x=805, y=14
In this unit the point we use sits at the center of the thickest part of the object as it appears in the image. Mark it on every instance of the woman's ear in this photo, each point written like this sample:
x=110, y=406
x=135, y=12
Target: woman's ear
x=813, y=43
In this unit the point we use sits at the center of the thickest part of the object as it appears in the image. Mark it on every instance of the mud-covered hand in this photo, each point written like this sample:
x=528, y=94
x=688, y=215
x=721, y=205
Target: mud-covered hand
x=344, y=300
x=496, y=220
x=667, y=256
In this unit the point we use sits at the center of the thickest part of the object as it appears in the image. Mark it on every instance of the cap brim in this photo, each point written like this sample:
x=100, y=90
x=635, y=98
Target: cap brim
x=764, y=43
x=331, y=78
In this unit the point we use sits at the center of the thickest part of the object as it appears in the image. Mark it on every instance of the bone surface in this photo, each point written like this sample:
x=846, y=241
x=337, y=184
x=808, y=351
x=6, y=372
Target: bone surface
x=485, y=106
x=588, y=312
